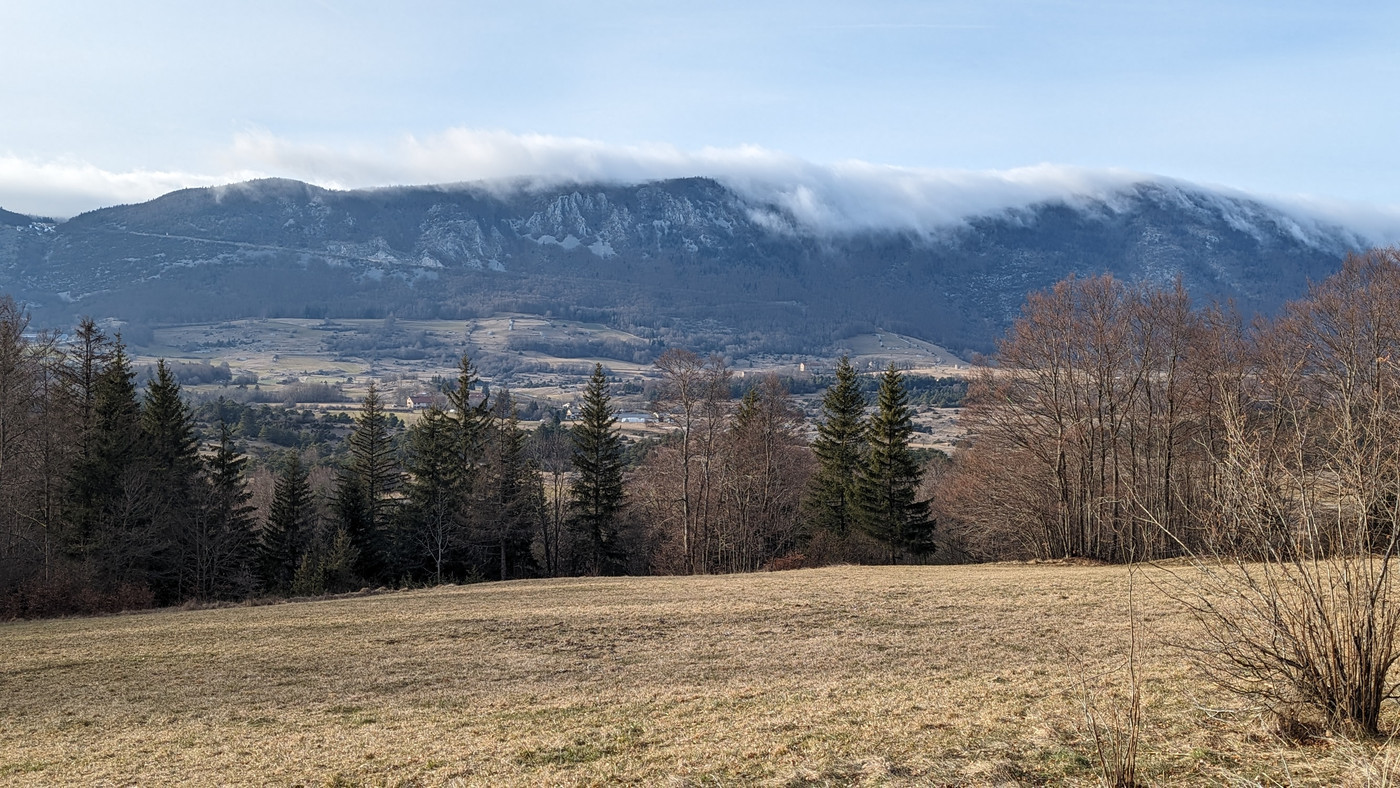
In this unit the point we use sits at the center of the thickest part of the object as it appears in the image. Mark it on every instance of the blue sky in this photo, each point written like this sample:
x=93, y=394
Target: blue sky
x=115, y=102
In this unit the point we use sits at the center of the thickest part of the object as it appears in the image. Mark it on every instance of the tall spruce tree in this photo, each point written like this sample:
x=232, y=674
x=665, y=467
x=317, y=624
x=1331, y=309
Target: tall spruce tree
x=431, y=531
x=350, y=510
x=887, y=486
x=840, y=443
x=172, y=475
x=596, y=495
x=169, y=426
x=91, y=352
x=512, y=495
x=469, y=428
x=110, y=498
x=290, y=526
x=367, y=481
x=219, y=544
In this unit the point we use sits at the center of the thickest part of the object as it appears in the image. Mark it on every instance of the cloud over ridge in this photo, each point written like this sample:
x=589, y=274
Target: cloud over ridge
x=841, y=197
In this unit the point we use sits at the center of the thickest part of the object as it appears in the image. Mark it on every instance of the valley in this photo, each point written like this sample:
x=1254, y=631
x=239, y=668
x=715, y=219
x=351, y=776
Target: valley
x=280, y=358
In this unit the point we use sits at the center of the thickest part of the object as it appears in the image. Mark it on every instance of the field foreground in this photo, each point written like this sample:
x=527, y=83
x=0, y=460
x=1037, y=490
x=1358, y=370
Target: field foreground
x=847, y=675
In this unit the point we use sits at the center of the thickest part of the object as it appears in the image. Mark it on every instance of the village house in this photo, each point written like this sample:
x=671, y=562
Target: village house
x=421, y=400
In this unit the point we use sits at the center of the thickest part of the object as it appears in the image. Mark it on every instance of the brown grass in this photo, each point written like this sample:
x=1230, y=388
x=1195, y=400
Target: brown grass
x=849, y=675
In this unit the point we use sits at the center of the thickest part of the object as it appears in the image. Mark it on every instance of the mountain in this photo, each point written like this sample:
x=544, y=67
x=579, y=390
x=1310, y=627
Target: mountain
x=10, y=219
x=685, y=261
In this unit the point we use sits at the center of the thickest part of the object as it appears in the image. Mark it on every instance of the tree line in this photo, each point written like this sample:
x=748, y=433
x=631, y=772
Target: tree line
x=110, y=499
x=1121, y=422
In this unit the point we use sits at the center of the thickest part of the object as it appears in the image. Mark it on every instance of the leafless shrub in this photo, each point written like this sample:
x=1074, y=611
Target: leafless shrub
x=1297, y=595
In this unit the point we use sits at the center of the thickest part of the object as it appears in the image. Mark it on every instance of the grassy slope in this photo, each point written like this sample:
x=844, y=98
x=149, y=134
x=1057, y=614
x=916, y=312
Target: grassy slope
x=845, y=675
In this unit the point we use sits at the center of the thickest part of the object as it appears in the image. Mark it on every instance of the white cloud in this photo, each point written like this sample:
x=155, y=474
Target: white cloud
x=841, y=197
x=66, y=187
x=836, y=198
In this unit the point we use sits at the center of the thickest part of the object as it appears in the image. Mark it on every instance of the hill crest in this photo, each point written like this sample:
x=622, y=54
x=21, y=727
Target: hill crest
x=689, y=260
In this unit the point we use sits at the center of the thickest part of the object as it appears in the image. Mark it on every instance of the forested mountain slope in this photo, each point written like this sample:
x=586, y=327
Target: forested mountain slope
x=687, y=260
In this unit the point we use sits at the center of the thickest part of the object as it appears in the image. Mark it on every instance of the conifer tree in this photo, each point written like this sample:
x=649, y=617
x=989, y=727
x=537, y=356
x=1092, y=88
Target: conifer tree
x=169, y=426
x=469, y=427
x=513, y=496
x=839, y=445
x=289, y=528
x=373, y=469
x=219, y=546
x=109, y=496
x=350, y=509
x=596, y=495
x=90, y=355
x=431, y=528
x=888, y=483
x=326, y=568
x=173, y=456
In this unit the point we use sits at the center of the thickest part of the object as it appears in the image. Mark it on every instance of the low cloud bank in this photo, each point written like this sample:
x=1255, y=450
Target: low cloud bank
x=834, y=198
x=65, y=187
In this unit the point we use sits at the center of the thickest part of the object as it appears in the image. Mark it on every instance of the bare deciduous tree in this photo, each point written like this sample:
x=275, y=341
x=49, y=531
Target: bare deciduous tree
x=1298, y=597
x=1119, y=423
x=695, y=392
x=1085, y=433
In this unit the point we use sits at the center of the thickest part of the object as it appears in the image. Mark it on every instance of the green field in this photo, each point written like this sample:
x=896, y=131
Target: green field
x=847, y=675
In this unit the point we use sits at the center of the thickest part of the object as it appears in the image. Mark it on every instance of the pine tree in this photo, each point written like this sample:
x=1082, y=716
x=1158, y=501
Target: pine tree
x=431, y=527
x=367, y=482
x=290, y=526
x=219, y=544
x=110, y=500
x=90, y=357
x=887, y=486
x=469, y=429
x=839, y=445
x=326, y=568
x=173, y=455
x=513, y=495
x=595, y=497
x=169, y=426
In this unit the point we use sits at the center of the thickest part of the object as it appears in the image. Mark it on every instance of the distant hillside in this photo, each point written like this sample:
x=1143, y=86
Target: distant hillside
x=684, y=261
x=10, y=219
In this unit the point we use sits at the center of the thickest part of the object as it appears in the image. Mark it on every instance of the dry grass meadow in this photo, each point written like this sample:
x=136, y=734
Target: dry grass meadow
x=847, y=675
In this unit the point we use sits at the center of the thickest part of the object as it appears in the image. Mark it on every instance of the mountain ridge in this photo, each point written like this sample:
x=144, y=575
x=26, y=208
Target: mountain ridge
x=690, y=260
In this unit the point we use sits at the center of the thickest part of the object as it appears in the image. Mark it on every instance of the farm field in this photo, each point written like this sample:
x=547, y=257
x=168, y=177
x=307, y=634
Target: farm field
x=278, y=352
x=278, y=347
x=970, y=675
